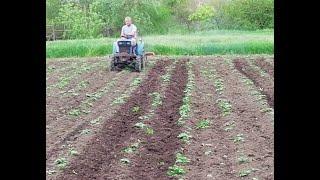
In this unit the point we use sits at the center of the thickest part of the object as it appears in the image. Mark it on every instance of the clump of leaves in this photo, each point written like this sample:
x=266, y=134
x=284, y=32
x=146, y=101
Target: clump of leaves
x=75, y=112
x=96, y=121
x=136, y=81
x=125, y=161
x=86, y=131
x=184, y=110
x=51, y=172
x=180, y=158
x=225, y=106
x=266, y=110
x=208, y=152
x=73, y=152
x=63, y=82
x=247, y=81
x=140, y=125
x=175, y=170
x=261, y=97
x=136, y=109
x=246, y=172
x=202, y=124
x=184, y=136
x=83, y=84
x=156, y=99
x=238, y=138
x=218, y=84
x=229, y=126
x=149, y=131
x=132, y=148
x=166, y=77
x=61, y=163
x=119, y=100
x=243, y=159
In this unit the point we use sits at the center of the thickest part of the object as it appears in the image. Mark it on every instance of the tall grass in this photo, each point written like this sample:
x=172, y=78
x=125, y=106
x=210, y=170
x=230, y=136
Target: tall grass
x=199, y=43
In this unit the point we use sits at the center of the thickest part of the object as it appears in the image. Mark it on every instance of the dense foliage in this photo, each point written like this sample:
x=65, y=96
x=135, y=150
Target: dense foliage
x=97, y=18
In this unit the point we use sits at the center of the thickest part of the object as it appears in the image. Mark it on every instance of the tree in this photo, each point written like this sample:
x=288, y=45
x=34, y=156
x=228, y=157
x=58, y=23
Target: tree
x=249, y=14
x=203, y=14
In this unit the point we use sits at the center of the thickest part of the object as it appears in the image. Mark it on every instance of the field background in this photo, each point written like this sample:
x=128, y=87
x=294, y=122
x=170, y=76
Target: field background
x=88, y=28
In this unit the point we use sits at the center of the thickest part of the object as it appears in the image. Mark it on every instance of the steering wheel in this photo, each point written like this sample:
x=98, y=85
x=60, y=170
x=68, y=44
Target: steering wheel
x=127, y=36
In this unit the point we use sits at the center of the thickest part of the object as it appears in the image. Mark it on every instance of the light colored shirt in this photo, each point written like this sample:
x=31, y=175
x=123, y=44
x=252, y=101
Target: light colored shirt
x=128, y=29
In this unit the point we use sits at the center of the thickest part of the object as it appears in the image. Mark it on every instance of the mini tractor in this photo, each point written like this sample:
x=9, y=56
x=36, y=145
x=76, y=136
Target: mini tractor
x=128, y=55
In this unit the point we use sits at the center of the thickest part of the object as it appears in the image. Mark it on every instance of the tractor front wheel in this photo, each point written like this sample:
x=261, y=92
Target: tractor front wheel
x=112, y=66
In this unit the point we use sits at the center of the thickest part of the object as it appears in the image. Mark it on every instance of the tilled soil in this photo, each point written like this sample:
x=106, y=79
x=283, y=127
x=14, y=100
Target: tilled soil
x=266, y=85
x=104, y=147
x=265, y=66
x=101, y=134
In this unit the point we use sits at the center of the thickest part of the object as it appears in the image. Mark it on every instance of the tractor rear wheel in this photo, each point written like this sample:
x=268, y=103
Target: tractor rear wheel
x=144, y=61
x=138, y=65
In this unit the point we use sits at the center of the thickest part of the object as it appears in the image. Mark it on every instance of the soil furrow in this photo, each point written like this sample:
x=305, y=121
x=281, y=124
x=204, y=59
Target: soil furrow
x=266, y=85
x=109, y=140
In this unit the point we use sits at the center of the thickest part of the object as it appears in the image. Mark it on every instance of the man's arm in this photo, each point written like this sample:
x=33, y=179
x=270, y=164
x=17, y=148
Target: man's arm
x=135, y=32
x=122, y=33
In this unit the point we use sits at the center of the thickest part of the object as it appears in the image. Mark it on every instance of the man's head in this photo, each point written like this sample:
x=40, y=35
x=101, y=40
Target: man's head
x=128, y=21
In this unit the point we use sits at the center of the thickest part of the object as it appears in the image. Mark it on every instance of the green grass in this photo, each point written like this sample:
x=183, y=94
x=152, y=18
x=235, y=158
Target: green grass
x=200, y=43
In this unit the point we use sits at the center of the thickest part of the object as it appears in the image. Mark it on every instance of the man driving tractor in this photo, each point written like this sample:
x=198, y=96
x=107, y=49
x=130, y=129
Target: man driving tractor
x=128, y=32
x=127, y=51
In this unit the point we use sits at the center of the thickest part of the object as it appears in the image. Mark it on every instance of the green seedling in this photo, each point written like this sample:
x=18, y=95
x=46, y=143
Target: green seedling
x=246, y=172
x=266, y=110
x=85, y=131
x=86, y=111
x=184, y=137
x=238, y=138
x=156, y=99
x=184, y=110
x=218, y=84
x=166, y=77
x=96, y=121
x=180, y=158
x=75, y=112
x=136, y=109
x=83, y=84
x=120, y=100
x=73, y=152
x=202, y=124
x=61, y=163
x=225, y=106
x=140, y=125
x=243, y=173
x=175, y=170
x=208, y=152
x=229, y=126
x=125, y=161
x=50, y=172
x=132, y=148
x=136, y=81
x=243, y=159
x=149, y=131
